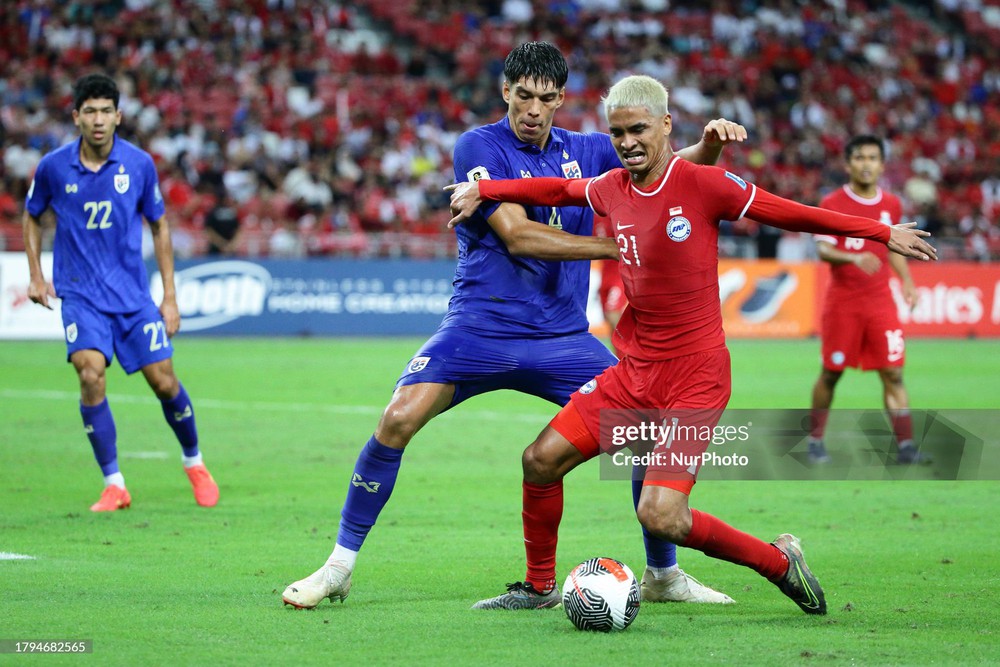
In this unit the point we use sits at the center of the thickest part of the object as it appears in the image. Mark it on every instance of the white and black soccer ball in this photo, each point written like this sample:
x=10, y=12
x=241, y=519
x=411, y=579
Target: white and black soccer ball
x=601, y=594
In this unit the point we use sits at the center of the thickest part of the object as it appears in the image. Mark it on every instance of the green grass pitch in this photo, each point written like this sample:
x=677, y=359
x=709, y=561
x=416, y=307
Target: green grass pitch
x=910, y=568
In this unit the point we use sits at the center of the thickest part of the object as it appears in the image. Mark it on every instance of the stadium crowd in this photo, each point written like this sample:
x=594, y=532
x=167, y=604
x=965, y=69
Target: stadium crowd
x=328, y=127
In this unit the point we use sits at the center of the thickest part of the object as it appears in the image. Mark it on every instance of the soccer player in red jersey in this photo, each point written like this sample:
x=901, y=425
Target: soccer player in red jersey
x=860, y=326
x=666, y=214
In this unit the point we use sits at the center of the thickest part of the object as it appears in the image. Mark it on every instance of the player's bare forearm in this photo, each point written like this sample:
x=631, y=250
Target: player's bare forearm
x=716, y=135
x=527, y=238
x=163, y=249
x=902, y=269
x=39, y=290
x=832, y=255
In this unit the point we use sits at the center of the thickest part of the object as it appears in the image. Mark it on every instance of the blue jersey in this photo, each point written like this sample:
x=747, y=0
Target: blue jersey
x=97, y=254
x=501, y=295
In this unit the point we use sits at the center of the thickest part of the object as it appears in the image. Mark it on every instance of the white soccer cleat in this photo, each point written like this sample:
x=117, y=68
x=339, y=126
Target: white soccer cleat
x=679, y=586
x=332, y=581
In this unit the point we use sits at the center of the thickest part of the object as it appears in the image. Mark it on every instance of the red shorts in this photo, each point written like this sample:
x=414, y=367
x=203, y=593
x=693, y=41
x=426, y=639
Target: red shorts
x=868, y=338
x=690, y=392
x=612, y=289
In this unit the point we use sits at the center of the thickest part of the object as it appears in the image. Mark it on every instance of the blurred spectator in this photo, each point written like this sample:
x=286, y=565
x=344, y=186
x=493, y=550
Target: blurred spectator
x=355, y=106
x=222, y=225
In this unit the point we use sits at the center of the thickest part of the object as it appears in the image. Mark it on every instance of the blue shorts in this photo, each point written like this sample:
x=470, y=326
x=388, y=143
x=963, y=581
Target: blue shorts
x=551, y=368
x=138, y=339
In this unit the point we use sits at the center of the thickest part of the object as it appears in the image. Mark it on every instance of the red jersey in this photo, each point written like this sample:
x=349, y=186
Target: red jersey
x=847, y=281
x=668, y=240
x=668, y=244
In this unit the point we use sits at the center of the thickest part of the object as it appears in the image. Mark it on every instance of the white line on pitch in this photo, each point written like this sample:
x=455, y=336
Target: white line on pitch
x=271, y=406
x=6, y=555
x=143, y=455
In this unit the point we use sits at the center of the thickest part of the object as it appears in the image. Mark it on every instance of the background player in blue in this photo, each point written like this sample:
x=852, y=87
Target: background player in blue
x=517, y=319
x=100, y=187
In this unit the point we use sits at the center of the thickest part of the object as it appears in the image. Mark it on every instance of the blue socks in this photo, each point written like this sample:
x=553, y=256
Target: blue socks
x=371, y=484
x=100, y=428
x=659, y=553
x=179, y=413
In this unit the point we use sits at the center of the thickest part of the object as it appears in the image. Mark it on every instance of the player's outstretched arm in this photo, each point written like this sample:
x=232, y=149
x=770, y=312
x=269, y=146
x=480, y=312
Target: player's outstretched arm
x=163, y=248
x=524, y=237
x=717, y=134
x=39, y=290
x=543, y=191
x=795, y=217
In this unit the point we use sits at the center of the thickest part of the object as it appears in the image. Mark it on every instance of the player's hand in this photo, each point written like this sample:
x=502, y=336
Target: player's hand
x=908, y=241
x=720, y=132
x=464, y=201
x=39, y=291
x=867, y=262
x=171, y=316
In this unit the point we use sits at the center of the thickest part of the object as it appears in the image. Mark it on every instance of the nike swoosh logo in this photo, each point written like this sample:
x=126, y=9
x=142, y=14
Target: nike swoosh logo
x=621, y=226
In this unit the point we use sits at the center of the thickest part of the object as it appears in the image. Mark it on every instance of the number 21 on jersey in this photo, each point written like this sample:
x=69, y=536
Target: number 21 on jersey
x=628, y=248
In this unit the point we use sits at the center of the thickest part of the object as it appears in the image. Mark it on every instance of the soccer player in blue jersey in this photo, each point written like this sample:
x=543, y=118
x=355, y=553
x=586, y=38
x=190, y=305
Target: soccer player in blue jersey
x=517, y=319
x=100, y=187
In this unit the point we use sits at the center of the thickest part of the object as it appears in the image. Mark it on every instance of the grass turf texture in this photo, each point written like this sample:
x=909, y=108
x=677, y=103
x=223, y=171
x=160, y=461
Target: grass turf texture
x=909, y=568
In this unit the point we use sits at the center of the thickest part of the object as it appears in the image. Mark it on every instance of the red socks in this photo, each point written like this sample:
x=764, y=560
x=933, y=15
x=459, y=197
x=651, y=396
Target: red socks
x=718, y=539
x=902, y=426
x=543, y=508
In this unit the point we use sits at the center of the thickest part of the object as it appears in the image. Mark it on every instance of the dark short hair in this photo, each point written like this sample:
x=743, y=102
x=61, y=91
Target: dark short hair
x=864, y=140
x=538, y=61
x=94, y=87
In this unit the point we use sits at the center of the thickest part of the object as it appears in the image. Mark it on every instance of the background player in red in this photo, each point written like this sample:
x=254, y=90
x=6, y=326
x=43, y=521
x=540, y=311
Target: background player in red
x=860, y=326
x=666, y=215
x=611, y=292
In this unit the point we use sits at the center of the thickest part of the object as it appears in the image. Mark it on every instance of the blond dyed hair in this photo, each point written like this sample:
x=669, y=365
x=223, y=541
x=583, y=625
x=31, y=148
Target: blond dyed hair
x=637, y=90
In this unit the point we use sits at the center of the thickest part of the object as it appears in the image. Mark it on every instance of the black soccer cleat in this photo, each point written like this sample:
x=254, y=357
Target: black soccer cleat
x=799, y=583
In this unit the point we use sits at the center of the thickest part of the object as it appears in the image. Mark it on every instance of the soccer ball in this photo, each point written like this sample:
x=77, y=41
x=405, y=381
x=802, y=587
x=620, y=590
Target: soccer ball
x=601, y=594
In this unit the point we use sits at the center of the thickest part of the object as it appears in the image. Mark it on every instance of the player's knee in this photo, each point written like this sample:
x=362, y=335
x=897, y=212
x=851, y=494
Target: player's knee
x=91, y=378
x=665, y=522
x=830, y=378
x=399, y=423
x=164, y=385
x=538, y=468
x=891, y=377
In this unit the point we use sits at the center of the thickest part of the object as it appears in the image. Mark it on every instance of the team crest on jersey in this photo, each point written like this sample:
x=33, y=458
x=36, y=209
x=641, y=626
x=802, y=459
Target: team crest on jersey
x=589, y=387
x=678, y=228
x=477, y=174
x=417, y=364
x=121, y=183
x=71, y=333
x=572, y=170
x=885, y=218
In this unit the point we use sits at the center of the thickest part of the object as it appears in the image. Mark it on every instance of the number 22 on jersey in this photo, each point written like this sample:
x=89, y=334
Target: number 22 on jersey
x=99, y=213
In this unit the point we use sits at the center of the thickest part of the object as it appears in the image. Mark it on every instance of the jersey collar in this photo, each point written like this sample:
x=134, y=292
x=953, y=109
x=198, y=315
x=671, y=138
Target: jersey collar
x=113, y=156
x=557, y=139
x=864, y=200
